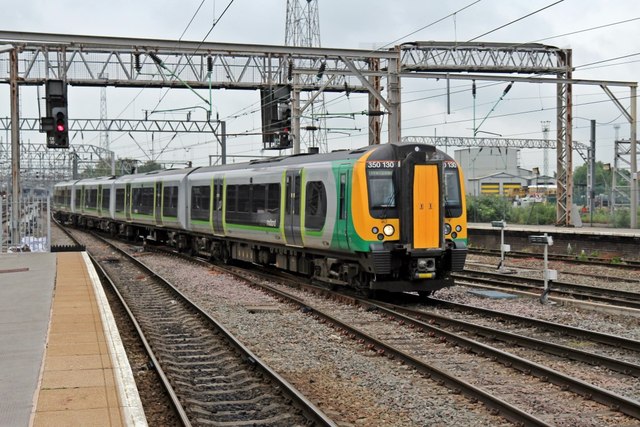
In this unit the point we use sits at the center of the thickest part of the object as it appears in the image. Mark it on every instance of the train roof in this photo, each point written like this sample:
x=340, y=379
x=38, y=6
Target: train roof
x=296, y=159
x=152, y=175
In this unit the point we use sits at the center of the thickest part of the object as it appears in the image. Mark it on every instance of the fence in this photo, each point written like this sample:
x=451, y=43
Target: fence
x=34, y=225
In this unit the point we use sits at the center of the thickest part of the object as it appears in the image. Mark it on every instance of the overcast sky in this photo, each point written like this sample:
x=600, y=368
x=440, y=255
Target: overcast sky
x=357, y=24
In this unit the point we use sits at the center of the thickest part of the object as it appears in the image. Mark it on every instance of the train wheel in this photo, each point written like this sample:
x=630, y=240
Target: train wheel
x=362, y=284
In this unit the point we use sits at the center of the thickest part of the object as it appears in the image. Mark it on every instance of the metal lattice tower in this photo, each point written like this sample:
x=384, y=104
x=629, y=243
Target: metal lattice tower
x=104, y=134
x=303, y=30
x=545, y=136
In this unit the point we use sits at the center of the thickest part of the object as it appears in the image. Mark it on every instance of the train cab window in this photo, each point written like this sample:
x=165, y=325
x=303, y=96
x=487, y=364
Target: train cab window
x=315, y=205
x=142, y=200
x=170, y=201
x=119, y=199
x=452, y=199
x=200, y=199
x=382, y=193
x=106, y=195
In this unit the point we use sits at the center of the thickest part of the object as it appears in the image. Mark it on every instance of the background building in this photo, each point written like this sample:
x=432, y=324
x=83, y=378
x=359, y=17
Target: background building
x=497, y=171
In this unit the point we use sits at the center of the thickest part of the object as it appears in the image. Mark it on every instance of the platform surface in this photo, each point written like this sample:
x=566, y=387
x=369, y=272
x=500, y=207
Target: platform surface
x=552, y=229
x=61, y=359
x=26, y=289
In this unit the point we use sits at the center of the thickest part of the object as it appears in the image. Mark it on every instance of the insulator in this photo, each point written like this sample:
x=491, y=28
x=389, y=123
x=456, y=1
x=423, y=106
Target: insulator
x=155, y=58
x=136, y=57
x=209, y=64
x=323, y=67
x=290, y=72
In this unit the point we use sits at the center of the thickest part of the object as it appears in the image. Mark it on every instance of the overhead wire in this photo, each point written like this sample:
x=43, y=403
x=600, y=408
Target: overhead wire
x=516, y=20
x=340, y=98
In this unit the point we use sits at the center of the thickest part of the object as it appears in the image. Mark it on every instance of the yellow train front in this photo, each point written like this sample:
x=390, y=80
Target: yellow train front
x=409, y=218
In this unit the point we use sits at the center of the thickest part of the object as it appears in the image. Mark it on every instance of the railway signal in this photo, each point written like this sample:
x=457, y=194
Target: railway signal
x=56, y=122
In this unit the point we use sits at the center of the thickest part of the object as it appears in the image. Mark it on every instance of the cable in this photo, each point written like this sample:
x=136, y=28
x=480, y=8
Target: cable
x=197, y=48
x=192, y=18
x=430, y=25
x=515, y=20
x=607, y=60
x=179, y=40
x=586, y=29
x=237, y=114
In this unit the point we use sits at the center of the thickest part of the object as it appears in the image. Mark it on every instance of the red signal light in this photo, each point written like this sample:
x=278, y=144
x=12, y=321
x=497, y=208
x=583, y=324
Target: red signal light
x=60, y=125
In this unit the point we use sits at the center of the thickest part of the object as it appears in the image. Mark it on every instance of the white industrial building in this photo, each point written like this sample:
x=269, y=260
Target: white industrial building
x=492, y=170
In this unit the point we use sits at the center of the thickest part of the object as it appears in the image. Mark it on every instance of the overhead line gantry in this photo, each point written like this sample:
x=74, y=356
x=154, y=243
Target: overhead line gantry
x=137, y=62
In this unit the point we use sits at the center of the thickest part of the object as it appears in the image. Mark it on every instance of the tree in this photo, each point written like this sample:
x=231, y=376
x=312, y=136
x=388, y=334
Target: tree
x=603, y=183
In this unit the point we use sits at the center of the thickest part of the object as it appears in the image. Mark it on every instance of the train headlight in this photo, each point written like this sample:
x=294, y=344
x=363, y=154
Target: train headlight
x=458, y=228
x=447, y=229
x=388, y=230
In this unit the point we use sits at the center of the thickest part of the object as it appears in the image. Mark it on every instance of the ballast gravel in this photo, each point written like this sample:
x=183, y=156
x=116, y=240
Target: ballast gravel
x=353, y=385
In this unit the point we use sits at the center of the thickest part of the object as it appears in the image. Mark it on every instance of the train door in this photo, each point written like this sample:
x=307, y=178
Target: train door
x=217, y=206
x=127, y=202
x=158, y=204
x=292, y=232
x=427, y=215
x=342, y=221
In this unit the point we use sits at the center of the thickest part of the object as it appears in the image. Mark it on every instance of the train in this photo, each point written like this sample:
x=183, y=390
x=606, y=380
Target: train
x=388, y=217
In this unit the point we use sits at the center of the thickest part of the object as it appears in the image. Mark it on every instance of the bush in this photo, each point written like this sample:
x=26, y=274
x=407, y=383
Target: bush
x=486, y=208
x=622, y=218
x=492, y=208
x=535, y=213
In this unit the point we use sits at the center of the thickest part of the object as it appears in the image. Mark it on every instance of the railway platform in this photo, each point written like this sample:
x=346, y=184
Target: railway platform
x=605, y=242
x=61, y=359
x=552, y=229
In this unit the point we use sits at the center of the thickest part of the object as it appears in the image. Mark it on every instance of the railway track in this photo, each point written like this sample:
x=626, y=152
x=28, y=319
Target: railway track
x=624, y=264
x=613, y=297
x=213, y=379
x=411, y=348
x=578, y=337
x=496, y=369
x=569, y=272
x=539, y=341
x=395, y=345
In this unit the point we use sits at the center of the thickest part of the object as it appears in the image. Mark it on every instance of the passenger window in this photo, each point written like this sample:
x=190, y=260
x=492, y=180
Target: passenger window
x=200, y=199
x=315, y=205
x=259, y=198
x=273, y=198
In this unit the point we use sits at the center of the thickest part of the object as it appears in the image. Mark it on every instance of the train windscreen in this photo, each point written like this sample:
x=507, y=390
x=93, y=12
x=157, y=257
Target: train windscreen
x=382, y=190
x=452, y=197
